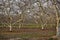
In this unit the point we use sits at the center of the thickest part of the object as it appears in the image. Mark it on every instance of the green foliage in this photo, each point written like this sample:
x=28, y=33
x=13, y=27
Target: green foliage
x=50, y=38
x=0, y=24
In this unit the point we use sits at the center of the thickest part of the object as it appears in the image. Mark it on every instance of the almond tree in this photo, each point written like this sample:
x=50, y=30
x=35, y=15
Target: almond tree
x=57, y=12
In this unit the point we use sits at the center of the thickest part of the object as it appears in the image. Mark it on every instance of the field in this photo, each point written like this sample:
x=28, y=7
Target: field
x=27, y=32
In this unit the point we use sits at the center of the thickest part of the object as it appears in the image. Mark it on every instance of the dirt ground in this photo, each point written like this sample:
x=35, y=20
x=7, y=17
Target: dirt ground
x=26, y=34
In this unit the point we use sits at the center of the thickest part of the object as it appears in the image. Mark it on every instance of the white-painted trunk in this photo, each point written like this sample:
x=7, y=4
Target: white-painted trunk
x=19, y=25
x=10, y=27
x=42, y=27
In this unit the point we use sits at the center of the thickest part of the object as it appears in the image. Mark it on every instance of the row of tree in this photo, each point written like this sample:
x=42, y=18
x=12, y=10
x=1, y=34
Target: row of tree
x=22, y=12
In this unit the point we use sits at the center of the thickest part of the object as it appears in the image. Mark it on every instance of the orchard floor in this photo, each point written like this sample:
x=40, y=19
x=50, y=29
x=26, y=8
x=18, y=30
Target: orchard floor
x=26, y=33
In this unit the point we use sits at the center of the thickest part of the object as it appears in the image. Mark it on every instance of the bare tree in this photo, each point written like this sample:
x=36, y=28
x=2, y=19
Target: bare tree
x=39, y=12
x=57, y=18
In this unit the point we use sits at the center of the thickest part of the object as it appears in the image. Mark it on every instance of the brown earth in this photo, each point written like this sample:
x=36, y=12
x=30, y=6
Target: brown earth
x=35, y=33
